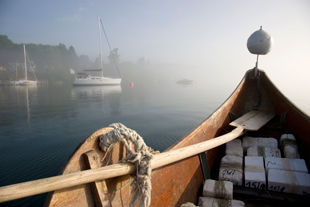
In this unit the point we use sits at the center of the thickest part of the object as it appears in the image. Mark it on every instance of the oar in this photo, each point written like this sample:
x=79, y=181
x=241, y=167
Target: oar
x=253, y=120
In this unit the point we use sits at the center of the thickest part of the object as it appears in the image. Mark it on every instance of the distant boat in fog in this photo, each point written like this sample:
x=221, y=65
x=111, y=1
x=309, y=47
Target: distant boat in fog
x=85, y=78
x=185, y=82
x=25, y=81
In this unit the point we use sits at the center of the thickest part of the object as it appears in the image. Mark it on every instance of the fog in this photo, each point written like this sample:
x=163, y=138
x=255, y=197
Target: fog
x=204, y=41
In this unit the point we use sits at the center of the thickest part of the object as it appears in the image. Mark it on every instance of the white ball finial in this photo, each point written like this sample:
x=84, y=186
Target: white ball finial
x=259, y=42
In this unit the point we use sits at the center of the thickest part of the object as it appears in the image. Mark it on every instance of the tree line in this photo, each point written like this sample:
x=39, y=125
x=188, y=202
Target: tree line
x=52, y=63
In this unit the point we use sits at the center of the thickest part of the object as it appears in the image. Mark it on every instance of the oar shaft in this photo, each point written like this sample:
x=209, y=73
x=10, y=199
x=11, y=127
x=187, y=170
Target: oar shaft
x=30, y=188
x=172, y=156
x=21, y=190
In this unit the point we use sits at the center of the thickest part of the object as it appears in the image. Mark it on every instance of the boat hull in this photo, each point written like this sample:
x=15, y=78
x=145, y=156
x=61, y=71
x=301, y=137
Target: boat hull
x=24, y=83
x=182, y=181
x=98, y=81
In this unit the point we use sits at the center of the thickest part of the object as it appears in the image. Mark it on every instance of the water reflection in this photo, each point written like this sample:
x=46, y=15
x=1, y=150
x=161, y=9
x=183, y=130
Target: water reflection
x=24, y=92
x=19, y=99
x=95, y=91
x=104, y=95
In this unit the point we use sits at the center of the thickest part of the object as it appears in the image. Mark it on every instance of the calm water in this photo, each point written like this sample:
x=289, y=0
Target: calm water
x=41, y=127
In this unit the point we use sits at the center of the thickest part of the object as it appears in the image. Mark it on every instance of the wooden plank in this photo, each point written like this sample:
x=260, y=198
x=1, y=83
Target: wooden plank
x=204, y=165
x=253, y=120
x=44, y=185
x=243, y=118
x=99, y=188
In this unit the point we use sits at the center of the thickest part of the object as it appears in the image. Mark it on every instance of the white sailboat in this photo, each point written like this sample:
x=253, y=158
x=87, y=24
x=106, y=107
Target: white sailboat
x=25, y=81
x=86, y=79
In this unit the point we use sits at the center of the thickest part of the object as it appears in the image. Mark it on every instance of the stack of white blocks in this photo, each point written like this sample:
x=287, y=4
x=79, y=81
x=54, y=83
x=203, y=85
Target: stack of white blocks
x=289, y=181
x=263, y=151
x=257, y=149
x=218, y=194
x=231, y=169
x=263, y=164
x=234, y=147
x=218, y=189
x=287, y=175
x=298, y=165
x=215, y=202
x=188, y=204
x=254, y=172
x=259, y=142
x=289, y=146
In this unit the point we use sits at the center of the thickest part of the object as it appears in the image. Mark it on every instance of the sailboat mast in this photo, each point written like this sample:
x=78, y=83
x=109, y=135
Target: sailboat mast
x=25, y=63
x=100, y=46
x=16, y=71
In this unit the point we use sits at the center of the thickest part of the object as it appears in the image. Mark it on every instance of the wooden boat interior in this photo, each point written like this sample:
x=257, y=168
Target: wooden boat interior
x=182, y=181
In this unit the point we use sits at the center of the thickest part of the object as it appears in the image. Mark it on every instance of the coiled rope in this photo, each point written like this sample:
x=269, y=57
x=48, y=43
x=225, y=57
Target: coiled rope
x=140, y=157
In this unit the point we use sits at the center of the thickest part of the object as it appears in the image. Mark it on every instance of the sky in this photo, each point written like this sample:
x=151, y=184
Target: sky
x=208, y=35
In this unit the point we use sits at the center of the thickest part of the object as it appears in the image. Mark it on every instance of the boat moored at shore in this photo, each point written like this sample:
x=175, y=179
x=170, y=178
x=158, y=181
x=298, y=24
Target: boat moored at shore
x=86, y=79
x=25, y=81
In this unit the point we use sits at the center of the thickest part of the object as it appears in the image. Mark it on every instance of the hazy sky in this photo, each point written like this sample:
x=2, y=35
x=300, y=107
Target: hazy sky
x=206, y=34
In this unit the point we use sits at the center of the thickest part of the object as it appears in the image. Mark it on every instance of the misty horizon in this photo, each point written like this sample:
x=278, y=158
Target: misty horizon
x=206, y=35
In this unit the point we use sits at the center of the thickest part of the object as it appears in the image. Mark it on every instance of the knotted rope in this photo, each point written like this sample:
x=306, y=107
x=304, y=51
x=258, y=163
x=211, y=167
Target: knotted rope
x=140, y=157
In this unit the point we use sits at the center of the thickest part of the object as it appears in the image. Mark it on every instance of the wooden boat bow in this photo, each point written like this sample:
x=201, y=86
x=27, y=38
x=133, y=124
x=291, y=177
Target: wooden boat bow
x=177, y=183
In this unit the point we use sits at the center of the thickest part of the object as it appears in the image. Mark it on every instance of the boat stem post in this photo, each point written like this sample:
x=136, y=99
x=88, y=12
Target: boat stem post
x=256, y=66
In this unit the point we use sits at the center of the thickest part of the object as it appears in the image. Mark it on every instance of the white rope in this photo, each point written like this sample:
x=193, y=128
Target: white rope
x=140, y=157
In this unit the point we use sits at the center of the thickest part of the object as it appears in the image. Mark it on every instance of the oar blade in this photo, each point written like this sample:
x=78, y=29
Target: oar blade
x=253, y=120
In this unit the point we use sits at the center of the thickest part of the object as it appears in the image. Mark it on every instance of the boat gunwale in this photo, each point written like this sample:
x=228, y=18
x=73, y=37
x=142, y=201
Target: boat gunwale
x=285, y=99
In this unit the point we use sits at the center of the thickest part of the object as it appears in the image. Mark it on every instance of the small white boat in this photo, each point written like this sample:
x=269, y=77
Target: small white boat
x=90, y=80
x=86, y=79
x=25, y=81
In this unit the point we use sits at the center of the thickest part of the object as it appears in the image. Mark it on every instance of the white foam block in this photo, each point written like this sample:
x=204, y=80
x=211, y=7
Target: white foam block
x=298, y=165
x=253, y=151
x=287, y=137
x=289, y=181
x=218, y=189
x=231, y=169
x=271, y=152
x=289, y=146
x=263, y=151
x=259, y=141
x=188, y=204
x=234, y=147
x=254, y=172
x=215, y=202
x=290, y=151
x=249, y=142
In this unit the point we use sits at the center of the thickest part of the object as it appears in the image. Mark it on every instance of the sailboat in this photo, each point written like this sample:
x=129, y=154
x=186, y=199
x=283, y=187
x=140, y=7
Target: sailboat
x=25, y=81
x=86, y=79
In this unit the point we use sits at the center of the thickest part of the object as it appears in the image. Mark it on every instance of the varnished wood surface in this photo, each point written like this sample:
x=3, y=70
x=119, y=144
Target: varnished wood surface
x=99, y=189
x=253, y=120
